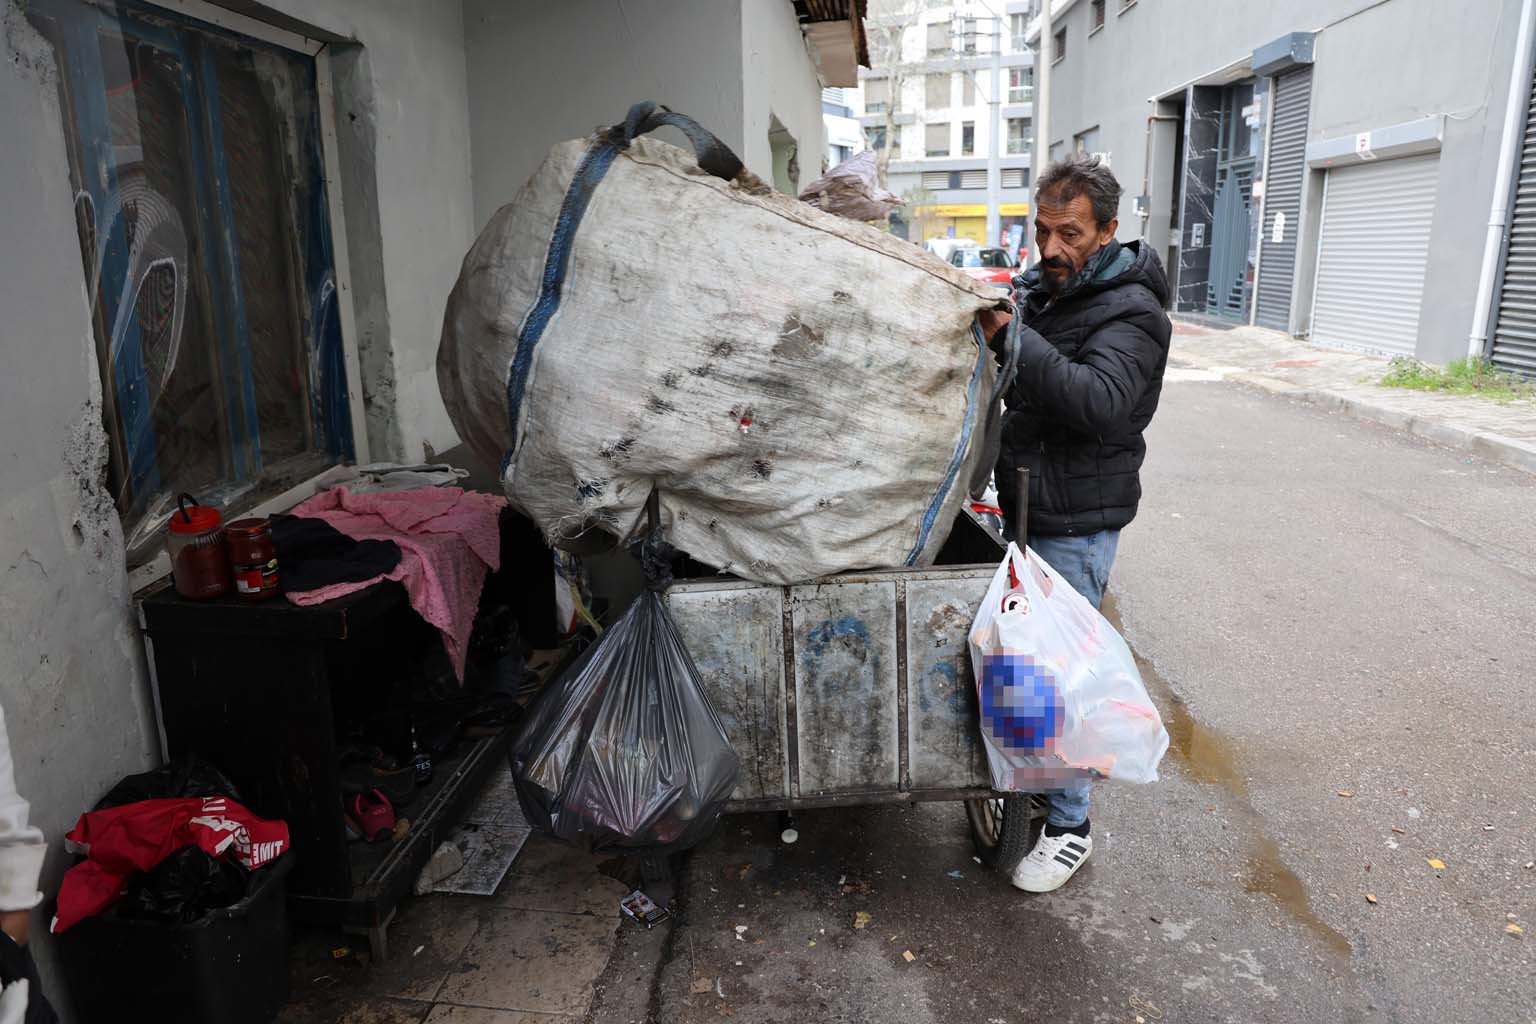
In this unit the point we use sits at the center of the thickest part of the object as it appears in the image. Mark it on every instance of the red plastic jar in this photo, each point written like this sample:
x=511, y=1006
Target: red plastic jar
x=252, y=558
x=194, y=539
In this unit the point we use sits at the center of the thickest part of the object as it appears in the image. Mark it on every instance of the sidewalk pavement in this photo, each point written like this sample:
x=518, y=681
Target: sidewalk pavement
x=1504, y=433
x=545, y=949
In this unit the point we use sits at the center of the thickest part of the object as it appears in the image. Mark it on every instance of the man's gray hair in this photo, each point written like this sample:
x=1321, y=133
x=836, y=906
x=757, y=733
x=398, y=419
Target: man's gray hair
x=1081, y=175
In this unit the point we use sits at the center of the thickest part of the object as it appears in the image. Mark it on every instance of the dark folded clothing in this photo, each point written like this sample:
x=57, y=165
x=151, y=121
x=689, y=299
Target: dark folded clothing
x=312, y=554
x=16, y=964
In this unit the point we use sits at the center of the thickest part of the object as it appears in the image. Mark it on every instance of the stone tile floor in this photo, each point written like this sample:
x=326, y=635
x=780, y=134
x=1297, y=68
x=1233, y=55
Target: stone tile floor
x=530, y=954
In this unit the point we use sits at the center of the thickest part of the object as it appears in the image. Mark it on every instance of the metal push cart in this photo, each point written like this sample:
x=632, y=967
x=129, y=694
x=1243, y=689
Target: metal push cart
x=857, y=689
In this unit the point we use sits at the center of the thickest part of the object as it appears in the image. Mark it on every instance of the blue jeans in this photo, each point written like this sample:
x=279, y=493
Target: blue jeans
x=1083, y=562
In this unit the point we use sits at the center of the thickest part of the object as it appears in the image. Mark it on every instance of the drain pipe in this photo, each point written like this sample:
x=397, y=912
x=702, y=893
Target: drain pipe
x=1040, y=153
x=1509, y=155
x=1258, y=243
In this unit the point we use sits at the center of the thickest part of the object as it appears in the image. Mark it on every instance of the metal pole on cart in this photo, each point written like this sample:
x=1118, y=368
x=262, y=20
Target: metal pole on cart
x=1021, y=509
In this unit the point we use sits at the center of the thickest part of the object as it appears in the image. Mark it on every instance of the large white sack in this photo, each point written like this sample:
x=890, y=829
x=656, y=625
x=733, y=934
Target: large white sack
x=808, y=394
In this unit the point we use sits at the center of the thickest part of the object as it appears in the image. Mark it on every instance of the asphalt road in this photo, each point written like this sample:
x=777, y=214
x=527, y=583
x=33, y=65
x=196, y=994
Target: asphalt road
x=1324, y=608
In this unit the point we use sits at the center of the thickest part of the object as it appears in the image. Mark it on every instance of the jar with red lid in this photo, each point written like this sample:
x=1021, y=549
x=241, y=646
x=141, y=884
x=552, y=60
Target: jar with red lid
x=194, y=539
x=252, y=558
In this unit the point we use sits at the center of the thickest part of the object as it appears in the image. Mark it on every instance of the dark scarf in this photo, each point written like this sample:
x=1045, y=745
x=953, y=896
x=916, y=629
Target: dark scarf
x=1112, y=260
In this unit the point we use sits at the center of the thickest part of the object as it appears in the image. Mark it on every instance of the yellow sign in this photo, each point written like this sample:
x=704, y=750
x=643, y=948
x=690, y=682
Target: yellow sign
x=971, y=210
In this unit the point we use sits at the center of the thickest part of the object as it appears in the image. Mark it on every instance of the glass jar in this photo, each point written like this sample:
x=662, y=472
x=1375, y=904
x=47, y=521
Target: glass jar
x=252, y=558
x=194, y=539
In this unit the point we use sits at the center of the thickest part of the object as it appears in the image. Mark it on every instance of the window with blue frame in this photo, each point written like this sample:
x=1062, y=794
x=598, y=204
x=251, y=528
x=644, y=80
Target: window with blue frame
x=197, y=169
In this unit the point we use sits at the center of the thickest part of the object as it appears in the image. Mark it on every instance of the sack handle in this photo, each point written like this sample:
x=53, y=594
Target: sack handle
x=652, y=549
x=1012, y=345
x=714, y=156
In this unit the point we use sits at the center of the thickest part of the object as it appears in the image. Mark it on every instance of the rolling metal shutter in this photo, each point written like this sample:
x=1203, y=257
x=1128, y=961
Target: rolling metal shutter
x=1282, y=198
x=1372, y=253
x=1514, y=332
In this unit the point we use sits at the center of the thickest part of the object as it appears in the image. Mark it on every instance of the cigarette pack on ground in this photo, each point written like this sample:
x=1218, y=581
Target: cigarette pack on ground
x=642, y=908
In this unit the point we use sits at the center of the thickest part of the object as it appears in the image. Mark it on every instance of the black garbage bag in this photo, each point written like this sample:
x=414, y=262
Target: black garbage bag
x=184, y=887
x=189, y=883
x=624, y=752
x=184, y=777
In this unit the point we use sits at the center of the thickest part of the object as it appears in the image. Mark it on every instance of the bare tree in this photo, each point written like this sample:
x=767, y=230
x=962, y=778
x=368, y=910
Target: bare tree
x=918, y=201
x=886, y=27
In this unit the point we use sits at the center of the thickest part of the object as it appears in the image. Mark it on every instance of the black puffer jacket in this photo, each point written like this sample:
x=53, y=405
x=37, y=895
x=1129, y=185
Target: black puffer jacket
x=1090, y=374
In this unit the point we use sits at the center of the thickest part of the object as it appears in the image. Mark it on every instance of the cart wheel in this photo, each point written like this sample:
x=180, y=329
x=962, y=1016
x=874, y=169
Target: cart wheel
x=1002, y=828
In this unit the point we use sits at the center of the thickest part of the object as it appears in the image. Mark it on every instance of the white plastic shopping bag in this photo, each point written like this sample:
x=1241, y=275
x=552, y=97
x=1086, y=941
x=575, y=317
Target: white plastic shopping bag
x=1059, y=693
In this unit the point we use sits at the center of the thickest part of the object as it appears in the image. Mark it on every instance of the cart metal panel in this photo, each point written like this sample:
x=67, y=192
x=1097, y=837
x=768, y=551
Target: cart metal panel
x=854, y=689
x=943, y=748
x=735, y=635
x=847, y=728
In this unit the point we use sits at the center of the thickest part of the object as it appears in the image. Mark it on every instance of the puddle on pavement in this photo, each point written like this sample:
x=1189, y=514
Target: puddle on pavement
x=1267, y=874
x=1208, y=755
x=1211, y=758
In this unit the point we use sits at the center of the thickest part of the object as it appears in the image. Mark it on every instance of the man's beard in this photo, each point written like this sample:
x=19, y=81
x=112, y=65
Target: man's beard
x=1054, y=274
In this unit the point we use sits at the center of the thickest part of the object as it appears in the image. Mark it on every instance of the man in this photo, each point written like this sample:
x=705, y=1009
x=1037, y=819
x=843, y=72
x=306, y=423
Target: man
x=1094, y=342
x=22, y=849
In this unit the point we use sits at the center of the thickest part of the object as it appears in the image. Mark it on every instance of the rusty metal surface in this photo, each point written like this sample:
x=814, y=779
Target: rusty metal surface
x=849, y=691
x=943, y=748
x=736, y=640
x=902, y=773
x=860, y=798
x=791, y=732
x=845, y=686
x=948, y=572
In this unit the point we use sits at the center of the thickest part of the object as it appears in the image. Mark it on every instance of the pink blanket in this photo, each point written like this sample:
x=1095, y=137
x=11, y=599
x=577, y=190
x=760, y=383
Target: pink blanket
x=449, y=539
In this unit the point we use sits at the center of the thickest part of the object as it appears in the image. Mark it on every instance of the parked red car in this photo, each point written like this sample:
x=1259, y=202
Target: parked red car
x=994, y=265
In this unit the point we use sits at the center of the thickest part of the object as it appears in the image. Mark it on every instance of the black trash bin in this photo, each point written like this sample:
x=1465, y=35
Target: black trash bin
x=229, y=966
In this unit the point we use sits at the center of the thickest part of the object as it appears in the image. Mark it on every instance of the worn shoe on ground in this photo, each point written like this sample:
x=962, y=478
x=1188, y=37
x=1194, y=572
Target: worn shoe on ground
x=1054, y=859
x=446, y=862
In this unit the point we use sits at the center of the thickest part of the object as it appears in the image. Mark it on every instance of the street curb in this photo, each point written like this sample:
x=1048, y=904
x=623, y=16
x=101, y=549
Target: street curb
x=1508, y=451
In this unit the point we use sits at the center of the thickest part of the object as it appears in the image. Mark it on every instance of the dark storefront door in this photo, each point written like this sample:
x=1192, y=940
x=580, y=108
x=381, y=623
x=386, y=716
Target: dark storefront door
x=1230, y=286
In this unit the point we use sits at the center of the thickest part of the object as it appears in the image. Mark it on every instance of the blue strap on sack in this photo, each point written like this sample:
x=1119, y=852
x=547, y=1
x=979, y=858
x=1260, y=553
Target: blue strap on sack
x=713, y=156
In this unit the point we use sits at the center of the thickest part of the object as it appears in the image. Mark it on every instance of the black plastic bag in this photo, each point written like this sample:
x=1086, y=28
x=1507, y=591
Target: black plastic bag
x=183, y=778
x=183, y=887
x=624, y=752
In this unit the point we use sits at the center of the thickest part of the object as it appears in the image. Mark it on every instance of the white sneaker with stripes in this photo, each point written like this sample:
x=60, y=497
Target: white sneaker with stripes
x=1053, y=860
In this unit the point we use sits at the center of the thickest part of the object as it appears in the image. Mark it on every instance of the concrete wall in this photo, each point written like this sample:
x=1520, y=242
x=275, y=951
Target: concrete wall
x=778, y=79
x=1384, y=68
x=402, y=116
x=1148, y=50
x=73, y=682
x=1373, y=69
x=72, y=676
x=541, y=73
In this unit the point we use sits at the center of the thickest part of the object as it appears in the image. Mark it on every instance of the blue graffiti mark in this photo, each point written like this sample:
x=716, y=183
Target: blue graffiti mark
x=848, y=627
x=940, y=675
x=943, y=676
x=850, y=634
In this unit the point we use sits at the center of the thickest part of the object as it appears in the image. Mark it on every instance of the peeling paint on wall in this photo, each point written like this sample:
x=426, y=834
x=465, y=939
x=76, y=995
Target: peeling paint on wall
x=25, y=48
x=95, y=524
x=72, y=676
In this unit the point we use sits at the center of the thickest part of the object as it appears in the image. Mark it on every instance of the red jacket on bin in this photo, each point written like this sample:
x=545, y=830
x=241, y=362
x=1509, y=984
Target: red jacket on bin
x=119, y=842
